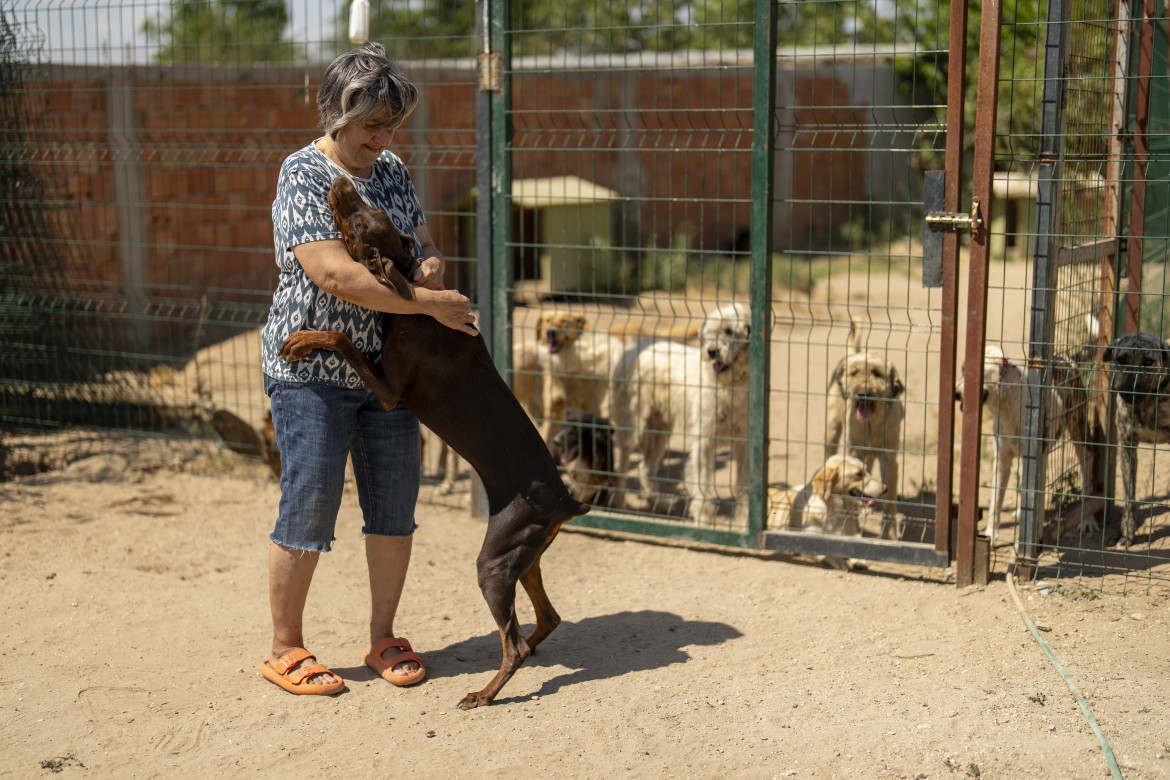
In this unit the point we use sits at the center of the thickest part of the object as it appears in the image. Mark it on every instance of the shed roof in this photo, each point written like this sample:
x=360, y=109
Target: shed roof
x=557, y=191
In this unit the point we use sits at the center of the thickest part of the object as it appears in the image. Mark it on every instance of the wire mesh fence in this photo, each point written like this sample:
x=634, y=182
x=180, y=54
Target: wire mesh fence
x=142, y=143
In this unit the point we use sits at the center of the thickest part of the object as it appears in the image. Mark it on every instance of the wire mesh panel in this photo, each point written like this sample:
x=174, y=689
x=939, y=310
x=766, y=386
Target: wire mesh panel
x=142, y=147
x=1090, y=159
x=630, y=203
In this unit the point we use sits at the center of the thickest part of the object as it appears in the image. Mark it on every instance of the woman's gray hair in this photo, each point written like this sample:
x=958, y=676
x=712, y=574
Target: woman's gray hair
x=361, y=83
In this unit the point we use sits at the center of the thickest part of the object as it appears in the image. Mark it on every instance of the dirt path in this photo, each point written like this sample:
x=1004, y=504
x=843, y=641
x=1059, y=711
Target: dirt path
x=133, y=595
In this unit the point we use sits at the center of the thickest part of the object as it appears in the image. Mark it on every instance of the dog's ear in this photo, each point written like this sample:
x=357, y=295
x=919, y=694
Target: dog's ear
x=896, y=387
x=579, y=322
x=407, y=242
x=838, y=375
x=826, y=480
x=1107, y=355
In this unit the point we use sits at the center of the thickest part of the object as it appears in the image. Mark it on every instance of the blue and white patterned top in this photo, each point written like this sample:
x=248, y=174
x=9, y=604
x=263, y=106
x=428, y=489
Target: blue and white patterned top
x=301, y=214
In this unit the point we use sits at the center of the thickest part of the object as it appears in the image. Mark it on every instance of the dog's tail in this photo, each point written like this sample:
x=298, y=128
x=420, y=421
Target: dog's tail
x=854, y=334
x=1087, y=350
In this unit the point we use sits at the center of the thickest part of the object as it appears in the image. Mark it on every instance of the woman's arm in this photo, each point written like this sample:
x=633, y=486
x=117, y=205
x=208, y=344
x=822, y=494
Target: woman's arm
x=331, y=268
x=429, y=274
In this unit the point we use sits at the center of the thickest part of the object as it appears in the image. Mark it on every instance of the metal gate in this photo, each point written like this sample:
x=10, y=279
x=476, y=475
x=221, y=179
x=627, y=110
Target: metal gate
x=705, y=163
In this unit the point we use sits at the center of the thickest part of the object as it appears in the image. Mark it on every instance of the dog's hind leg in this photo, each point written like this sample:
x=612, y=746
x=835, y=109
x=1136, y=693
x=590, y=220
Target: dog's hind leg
x=547, y=618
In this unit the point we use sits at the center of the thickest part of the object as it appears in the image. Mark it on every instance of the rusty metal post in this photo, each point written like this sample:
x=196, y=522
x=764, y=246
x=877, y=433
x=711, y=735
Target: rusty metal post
x=952, y=192
x=1141, y=160
x=983, y=168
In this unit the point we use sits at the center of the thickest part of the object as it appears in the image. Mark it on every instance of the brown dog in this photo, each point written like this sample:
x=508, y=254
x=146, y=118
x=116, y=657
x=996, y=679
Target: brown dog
x=448, y=380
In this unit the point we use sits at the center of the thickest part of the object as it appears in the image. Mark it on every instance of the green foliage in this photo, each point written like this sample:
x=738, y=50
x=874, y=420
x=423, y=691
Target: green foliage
x=221, y=31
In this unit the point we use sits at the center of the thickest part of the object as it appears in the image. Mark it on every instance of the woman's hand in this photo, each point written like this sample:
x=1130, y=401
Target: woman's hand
x=429, y=273
x=450, y=307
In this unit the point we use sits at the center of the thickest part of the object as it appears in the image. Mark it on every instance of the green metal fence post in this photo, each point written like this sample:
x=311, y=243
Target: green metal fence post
x=501, y=167
x=763, y=175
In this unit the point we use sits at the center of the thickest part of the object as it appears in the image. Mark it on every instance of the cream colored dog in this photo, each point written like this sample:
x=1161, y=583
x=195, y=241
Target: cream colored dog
x=829, y=503
x=1067, y=415
x=577, y=367
x=665, y=388
x=863, y=418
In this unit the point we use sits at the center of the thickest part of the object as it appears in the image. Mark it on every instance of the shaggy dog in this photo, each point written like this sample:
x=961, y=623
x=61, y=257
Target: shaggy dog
x=1066, y=414
x=829, y=503
x=583, y=450
x=1141, y=384
x=864, y=418
x=577, y=367
x=665, y=388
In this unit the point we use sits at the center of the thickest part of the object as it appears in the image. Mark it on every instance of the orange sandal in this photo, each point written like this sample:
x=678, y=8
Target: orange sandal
x=385, y=667
x=296, y=680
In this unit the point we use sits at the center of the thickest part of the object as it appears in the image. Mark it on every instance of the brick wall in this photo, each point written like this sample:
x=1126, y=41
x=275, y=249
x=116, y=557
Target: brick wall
x=162, y=177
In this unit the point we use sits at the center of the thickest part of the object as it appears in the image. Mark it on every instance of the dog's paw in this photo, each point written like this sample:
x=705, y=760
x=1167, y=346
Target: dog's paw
x=473, y=700
x=296, y=346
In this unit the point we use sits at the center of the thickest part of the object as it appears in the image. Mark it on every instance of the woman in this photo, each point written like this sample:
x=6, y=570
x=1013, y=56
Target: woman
x=321, y=410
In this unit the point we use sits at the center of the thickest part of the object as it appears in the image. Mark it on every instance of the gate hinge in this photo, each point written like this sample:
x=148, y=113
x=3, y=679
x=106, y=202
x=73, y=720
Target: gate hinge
x=954, y=221
x=489, y=68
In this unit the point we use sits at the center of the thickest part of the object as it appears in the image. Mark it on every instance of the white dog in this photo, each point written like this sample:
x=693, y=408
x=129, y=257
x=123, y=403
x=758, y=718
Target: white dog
x=1003, y=398
x=829, y=503
x=666, y=388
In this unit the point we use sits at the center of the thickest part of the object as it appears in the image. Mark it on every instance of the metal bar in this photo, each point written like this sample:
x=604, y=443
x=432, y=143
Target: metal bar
x=763, y=176
x=122, y=94
x=1141, y=160
x=631, y=524
x=1032, y=463
x=1102, y=248
x=981, y=180
x=483, y=183
x=952, y=191
x=855, y=547
x=501, y=188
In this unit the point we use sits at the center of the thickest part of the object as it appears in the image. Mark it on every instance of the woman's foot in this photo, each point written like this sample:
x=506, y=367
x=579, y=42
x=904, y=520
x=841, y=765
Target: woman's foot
x=297, y=671
x=395, y=661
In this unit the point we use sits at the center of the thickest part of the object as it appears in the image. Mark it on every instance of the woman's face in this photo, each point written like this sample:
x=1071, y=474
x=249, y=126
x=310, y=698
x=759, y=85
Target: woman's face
x=359, y=143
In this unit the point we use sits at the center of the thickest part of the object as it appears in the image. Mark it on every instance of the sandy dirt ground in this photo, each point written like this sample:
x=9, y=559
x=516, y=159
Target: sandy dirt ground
x=133, y=589
x=134, y=602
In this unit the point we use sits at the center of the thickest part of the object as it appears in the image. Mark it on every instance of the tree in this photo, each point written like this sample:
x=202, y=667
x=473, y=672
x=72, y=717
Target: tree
x=221, y=31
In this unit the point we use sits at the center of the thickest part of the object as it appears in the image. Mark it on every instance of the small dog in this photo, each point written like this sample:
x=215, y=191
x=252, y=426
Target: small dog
x=667, y=388
x=829, y=503
x=577, y=367
x=1141, y=384
x=863, y=417
x=1067, y=414
x=583, y=449
x=448, y=380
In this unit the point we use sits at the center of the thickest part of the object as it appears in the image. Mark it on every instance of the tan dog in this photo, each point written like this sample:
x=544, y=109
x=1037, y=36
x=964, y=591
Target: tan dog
x=829, y=503
x=863, y=417
x=577, y=366
x=666, y=388
x=1067, y=415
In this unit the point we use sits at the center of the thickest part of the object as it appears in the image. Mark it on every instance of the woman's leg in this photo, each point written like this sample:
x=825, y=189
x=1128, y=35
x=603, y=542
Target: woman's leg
x=388, y=558
x=386, y=467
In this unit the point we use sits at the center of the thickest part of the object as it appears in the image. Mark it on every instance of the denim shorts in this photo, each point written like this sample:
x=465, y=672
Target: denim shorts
x=317, y=426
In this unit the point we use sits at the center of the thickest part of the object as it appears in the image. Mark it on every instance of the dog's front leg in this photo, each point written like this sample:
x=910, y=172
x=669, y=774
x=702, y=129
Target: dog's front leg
x=699, y=473
x=891, y=528
x=1002, y=472
x=302, y=342
x=1129, y=487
